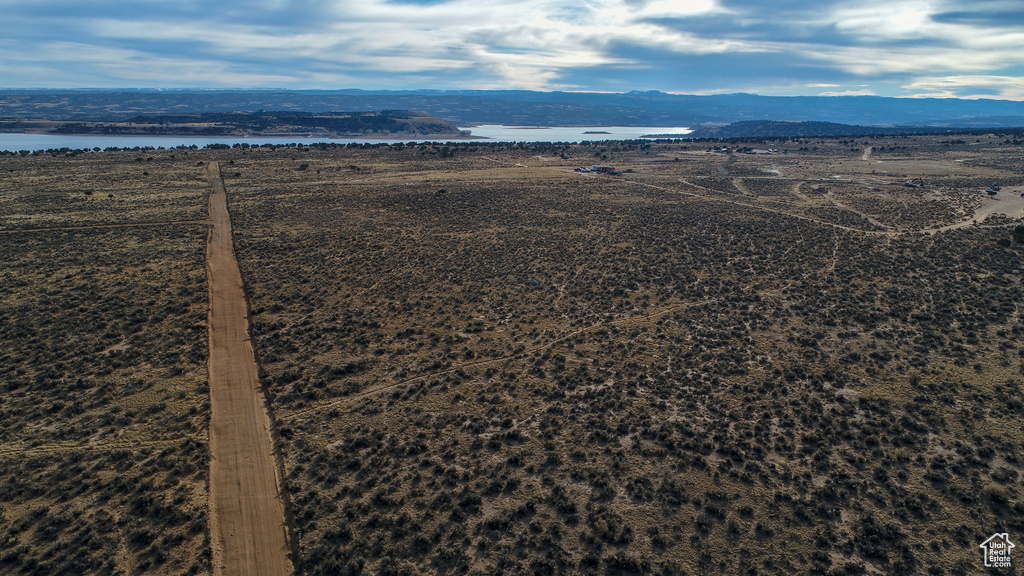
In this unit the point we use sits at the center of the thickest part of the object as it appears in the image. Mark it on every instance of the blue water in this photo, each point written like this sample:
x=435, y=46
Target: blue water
x=493, y=133
x=569, y=134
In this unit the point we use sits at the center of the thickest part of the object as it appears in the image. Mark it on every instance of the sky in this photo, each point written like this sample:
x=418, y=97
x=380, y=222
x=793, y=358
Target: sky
x=906, y=48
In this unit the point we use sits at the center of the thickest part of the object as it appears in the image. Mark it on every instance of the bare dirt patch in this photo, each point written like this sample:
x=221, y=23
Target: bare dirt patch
x=1009, y=203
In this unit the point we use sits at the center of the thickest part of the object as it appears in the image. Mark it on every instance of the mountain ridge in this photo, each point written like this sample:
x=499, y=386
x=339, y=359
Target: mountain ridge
x=472, y=107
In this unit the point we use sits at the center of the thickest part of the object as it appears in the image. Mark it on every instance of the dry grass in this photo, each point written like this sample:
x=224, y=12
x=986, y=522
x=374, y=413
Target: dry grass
x=542, y=371
x=104, y=411
x=101, y=188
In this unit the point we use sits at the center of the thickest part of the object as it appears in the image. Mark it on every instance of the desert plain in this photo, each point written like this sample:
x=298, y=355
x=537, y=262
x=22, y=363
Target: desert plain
x=752, y=357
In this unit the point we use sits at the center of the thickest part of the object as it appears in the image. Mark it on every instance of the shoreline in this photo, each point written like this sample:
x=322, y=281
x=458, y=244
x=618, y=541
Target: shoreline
x=43, y=138
x=248, y=135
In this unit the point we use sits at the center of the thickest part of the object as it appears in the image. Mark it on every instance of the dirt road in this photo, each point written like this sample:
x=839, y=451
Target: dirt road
x=247, y=521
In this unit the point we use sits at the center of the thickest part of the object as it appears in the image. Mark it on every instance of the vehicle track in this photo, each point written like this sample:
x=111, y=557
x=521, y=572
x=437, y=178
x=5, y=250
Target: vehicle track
x=754, y=206
x=1011, y=203
x=374, y=391
x=832, y=198
x=247, y=518
x=115, y=225
x=21, y=450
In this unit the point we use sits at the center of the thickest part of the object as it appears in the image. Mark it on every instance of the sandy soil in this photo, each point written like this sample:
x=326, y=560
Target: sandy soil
x=247, y=521
x=1009, y=202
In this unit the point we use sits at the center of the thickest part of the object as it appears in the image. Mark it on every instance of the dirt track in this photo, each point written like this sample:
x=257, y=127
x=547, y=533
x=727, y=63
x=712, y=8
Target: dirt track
x=22, y=451
x=1009, y=202
x=94, y=226
x=526, y=352
x=247, y=521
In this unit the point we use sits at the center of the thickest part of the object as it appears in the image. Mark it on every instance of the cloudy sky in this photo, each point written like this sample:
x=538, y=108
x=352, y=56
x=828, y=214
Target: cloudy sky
x=941, y=48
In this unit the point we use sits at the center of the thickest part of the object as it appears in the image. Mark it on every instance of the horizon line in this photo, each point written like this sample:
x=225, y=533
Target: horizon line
x=491, y=90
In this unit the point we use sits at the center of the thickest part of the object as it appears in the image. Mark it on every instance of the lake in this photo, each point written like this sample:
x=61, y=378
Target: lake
x=492, y=133
x=500, y=133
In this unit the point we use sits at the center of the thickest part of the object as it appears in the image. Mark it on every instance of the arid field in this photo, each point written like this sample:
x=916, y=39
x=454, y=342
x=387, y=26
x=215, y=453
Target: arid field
x=478, y=360
x=104, y=411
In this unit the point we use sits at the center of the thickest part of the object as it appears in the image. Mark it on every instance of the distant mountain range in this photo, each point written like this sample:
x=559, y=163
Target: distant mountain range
x=517, y=107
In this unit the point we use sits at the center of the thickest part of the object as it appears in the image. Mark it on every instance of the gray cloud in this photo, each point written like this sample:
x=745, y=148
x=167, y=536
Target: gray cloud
x=890, y=47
